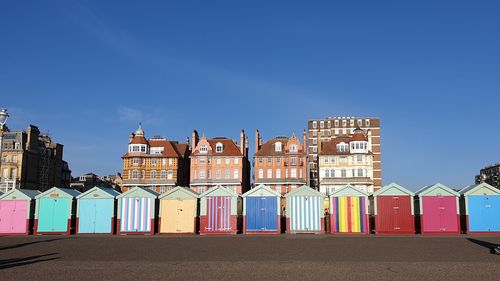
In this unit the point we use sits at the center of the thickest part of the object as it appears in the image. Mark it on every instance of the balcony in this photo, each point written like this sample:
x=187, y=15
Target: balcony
x=8, y=184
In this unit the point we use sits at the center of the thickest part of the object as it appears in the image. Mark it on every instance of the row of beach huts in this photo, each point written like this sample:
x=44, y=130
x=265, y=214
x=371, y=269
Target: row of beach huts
x=434, y=209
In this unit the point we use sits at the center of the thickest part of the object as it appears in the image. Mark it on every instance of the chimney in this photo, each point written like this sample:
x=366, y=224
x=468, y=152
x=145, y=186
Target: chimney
x=304, y=139
x=187, y=141
x=33, y=135
x=242, y=142
x=194, y=140
x=257, y=141
x=247, y=145
x=131, y=137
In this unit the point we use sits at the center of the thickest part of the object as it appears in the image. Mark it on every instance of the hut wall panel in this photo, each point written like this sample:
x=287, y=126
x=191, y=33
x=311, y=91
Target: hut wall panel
x=439, y=214
x=305, y=213
x=484, y=213
x=349, y=215
x=53, y=215
x=136, y=214
x=394, y=215
x=13, y=216
x=177, y=216
x=261, y=213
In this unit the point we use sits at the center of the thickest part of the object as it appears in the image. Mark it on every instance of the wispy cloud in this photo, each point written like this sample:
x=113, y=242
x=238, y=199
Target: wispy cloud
x=134, y=115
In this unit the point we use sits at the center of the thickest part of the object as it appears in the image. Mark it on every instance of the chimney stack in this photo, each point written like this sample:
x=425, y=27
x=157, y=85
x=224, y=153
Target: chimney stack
x=304, y=139
x=242, y=142
x=194, y=140
x=257, y=141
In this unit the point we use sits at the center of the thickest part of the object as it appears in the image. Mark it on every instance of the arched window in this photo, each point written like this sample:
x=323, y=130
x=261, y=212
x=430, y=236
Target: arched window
x=163, y=174
x=219, y=147
x=277, y=147
x=135, y=174
x=170, y=174
x=153, y=174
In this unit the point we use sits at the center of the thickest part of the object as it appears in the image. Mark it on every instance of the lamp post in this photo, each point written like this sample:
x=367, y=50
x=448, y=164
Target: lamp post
x=3, y=119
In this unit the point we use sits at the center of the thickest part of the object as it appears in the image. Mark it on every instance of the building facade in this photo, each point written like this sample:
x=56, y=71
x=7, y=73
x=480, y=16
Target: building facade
x=88, y=181
x=280, y=163
x=157, y=163
x=490, y=175
x=30, y=160
x=321, y=131
x=346, y=161
x=219, y=161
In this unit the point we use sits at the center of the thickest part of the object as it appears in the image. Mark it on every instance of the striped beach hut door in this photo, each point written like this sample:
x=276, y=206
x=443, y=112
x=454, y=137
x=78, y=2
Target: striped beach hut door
x=136, y=215
x=219, y=213
x=349, y=216
x=306, y=213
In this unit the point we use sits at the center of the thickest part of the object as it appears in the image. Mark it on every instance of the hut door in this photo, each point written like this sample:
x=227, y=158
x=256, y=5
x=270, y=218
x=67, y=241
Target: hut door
x=12, y=216
x=136, y=215
x=219, y=213
x=261, y=213
x=53, y=215
x=306, y=213
x=185, y=216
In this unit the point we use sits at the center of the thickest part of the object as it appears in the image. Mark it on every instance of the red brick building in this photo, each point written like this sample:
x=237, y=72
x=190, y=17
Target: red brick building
x=280, y=163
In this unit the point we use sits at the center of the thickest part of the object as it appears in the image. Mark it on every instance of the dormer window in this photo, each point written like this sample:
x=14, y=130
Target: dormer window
x=219, y=147
x=203, y=149
x=293, y=148
x=342, y=147
x=277, y=147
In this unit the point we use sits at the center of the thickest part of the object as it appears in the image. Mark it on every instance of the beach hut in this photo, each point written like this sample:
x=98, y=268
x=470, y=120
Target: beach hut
x=17, y=211
x=137, y=211
x=304, y=211
x=438, y=209
x=178, y=211
x=220, y=210
x=96, y=211
x=54, y=211
x=349, y=213
x=261, y=211
x=394, y=210
x=480, y=209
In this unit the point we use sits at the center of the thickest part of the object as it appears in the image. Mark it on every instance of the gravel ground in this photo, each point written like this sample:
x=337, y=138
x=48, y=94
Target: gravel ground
x=285, y=257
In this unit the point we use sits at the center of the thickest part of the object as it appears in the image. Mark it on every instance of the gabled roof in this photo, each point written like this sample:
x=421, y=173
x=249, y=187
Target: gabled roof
x=137, y=188
x=430, y=188
x=268, y=148
x=109, y=191
x=348, y=190
x=386, y=190
x=472, y=188
x=330, y=147
x=218, y=187
x=261, y=187
x=304, y=190
x=229, y=147
x=182, y=189
x=26, y=193
x=68, y=191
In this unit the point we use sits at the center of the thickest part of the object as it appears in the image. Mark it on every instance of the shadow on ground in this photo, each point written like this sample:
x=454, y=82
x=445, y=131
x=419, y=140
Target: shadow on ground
x=20, y=245
x=485, y=244
x=16, y=262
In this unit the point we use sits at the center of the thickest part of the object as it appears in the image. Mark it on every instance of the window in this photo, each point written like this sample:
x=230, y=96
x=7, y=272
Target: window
x=332, y=173
x=360, y=123
x=359, y=158
x=277, y=147
x=218, y=174
x=261, y=160
x=153, y=174
x=209, y=174
x=228, y=173
x=143, y=148
x=293, y=173
x=153, y=161
x=228, y=160
x=360, y=172
x=325, y=160
x=14, y=159
x=269, y=173
x=327, y=173
x=135, y=161
x=315, y=149
x=201, y=174
x=203, y=160
x=344, y=131
x=315, y=141
x=135, y=148
x=344, y=123
x=269, y=160
x=163, y=174
x=17, y=145
x=218, y=160
x=164, y=161
x=261, y=173
x=332, y=159
x=343, y=173
x=170, y=161
x=336, y=123
x=322, y=124
x=351, y=123
x=293, y=160
x=236, y=160
x=315, y=125
x=203, y=149
x=336, y=131
x=278, y=159
x=329, y=124
x=278, y=173
x=135, y=174
x=293, y=148
x=236, y=174
x=367, y=122
x=218, y=147
x=315, y=133
x=14, y=173
x=201, y=189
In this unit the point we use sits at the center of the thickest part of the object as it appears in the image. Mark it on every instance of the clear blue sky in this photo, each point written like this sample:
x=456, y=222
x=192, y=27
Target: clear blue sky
x=90, y=71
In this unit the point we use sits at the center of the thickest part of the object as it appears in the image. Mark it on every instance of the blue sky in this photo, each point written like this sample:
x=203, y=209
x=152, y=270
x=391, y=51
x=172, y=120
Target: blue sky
x=89, y=71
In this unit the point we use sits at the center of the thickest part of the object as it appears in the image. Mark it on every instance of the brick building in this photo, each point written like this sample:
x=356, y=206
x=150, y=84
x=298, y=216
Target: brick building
x=157, y=163
x=30, y=160
x=346, y=160
x=219, y=161
x=320, y=131
x=280, y=163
